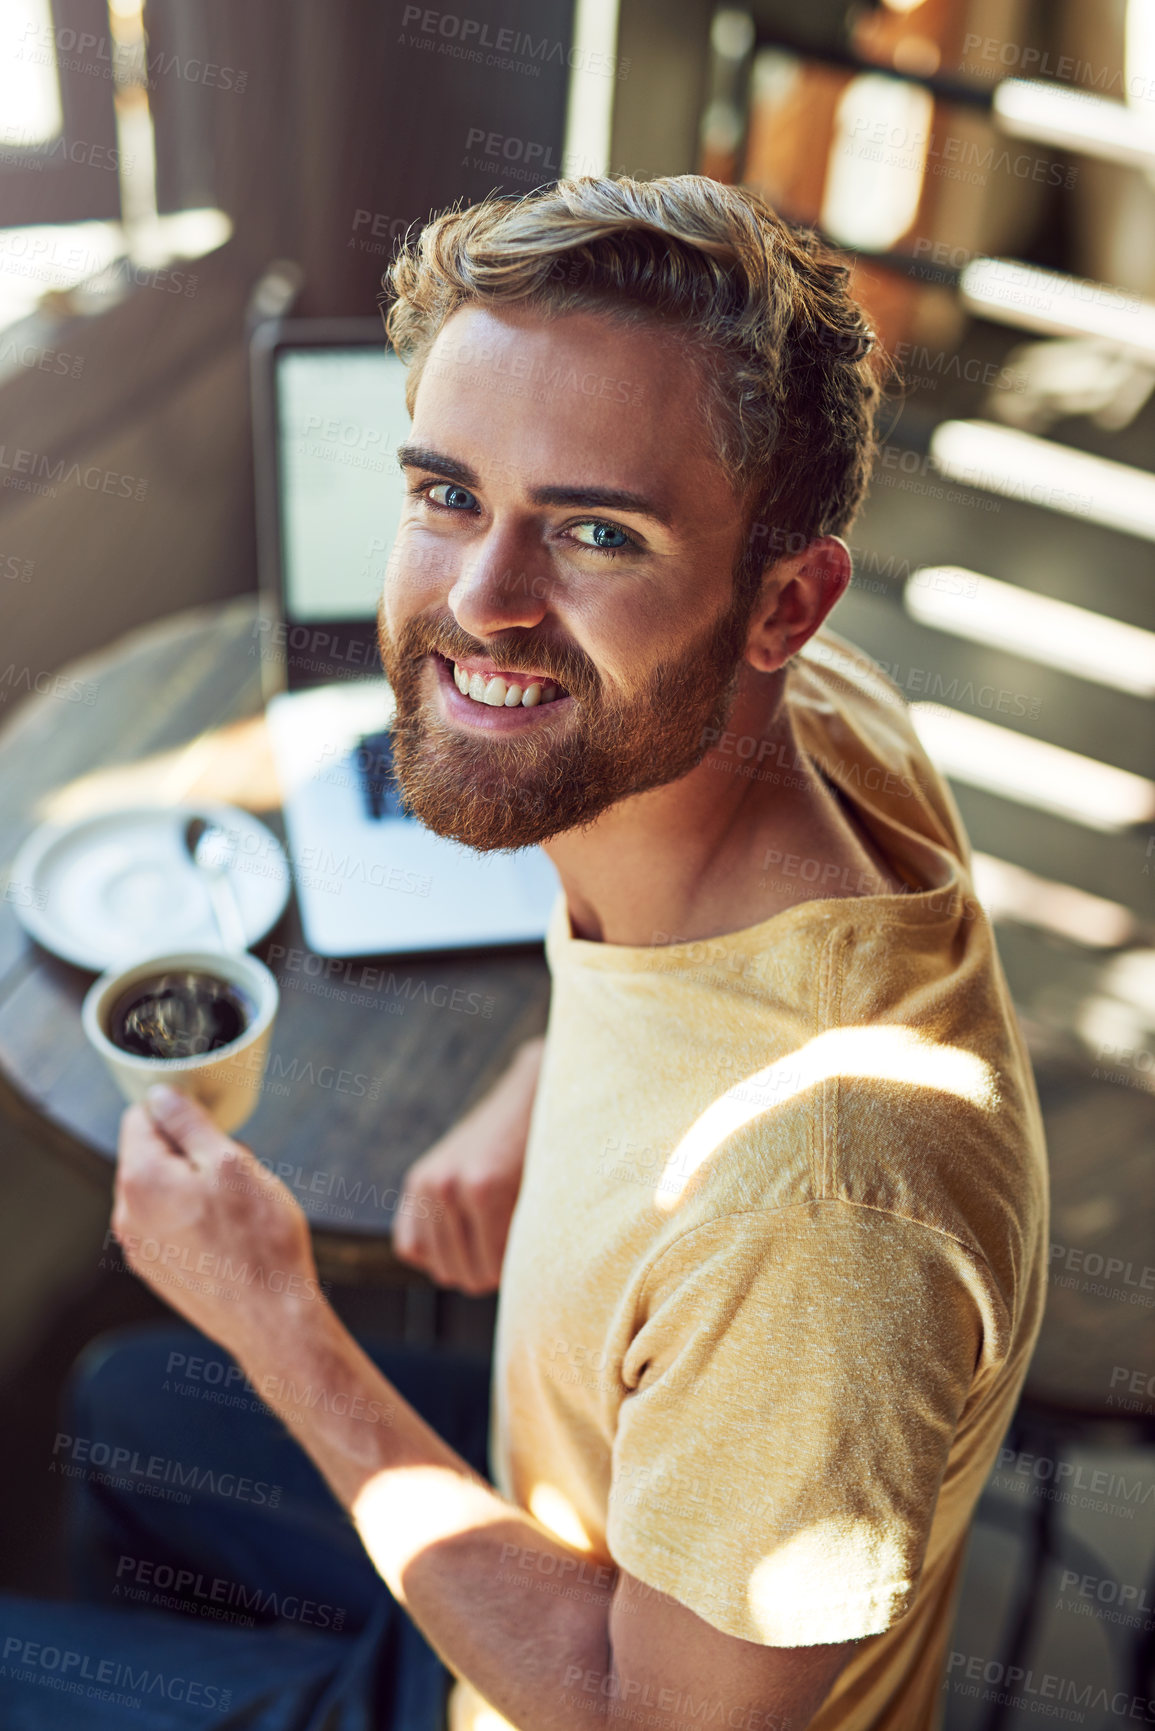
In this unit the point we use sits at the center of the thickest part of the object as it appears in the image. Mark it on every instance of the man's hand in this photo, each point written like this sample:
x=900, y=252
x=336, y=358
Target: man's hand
x=454, y=1214
x=202, y=1221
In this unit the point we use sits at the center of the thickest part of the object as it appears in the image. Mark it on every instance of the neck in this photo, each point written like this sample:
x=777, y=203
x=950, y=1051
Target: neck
x=686, y=861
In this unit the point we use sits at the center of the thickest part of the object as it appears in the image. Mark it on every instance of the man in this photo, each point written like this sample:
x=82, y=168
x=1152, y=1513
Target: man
x=774, y=1272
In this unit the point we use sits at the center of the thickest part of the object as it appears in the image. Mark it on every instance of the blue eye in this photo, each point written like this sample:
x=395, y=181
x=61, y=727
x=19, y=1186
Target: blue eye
x=607, y=537
x=459, y=498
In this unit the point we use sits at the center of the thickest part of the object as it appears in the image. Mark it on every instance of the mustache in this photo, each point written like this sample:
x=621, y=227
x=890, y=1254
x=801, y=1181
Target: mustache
x=514, y=650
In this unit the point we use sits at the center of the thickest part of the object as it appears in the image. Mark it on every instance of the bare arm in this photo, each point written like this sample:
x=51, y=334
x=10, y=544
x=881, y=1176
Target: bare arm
x=487, y=1585
x=547, y=1636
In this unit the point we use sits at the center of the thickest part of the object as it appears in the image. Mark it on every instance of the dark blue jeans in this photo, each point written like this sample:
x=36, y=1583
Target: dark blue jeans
x=221, y=1583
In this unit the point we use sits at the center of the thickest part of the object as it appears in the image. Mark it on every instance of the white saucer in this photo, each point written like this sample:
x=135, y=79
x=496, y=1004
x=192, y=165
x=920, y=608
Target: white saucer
x=107, y=889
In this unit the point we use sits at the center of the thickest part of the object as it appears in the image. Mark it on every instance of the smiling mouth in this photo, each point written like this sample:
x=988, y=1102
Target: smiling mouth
x=504, y=690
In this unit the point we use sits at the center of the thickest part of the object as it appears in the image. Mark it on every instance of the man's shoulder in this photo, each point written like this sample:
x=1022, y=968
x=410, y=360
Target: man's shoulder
x=858, y=729
x=830, y=658
x=904, y=1093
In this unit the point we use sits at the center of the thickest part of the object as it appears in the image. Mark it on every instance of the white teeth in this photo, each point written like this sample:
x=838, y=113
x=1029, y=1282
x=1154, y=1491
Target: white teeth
x=499, y=695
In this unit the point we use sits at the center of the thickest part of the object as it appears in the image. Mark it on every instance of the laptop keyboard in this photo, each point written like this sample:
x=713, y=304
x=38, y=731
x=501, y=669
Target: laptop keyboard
x=372, y=757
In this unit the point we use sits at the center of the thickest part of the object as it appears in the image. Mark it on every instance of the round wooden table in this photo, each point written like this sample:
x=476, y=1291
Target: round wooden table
x=176, y=715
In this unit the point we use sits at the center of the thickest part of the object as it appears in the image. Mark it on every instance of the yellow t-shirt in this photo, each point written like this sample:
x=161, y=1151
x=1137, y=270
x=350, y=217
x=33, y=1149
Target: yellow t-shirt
x=778, y=1260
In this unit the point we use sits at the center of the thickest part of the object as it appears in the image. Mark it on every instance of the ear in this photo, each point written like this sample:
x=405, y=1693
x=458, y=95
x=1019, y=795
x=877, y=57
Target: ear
x=796, y=595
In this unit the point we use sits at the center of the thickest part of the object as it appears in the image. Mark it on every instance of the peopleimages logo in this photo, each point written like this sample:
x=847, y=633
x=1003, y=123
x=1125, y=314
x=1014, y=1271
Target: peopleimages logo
x=66, y=1669
x=507, y=47
x=183, y=1585
x=77, y=1451
x=70, y=50
x=1018, y=1683
x=26, y=468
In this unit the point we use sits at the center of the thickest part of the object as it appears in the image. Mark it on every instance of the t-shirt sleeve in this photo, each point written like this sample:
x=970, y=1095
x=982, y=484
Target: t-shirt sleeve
x=795, y=1386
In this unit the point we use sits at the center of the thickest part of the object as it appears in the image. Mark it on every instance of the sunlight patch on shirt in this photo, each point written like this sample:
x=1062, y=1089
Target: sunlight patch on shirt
x=547, y=1505
x=485, y=1719
x=879, y=1053
x=809, y=1572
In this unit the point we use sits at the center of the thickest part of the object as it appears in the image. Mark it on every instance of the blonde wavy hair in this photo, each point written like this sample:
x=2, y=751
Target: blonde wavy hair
x=791, y=366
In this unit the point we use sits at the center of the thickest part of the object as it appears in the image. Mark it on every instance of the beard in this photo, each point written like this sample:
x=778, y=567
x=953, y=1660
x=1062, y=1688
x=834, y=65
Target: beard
x=506, y=792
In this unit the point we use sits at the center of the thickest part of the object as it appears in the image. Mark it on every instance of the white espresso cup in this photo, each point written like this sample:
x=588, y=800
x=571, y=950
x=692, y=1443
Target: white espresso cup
x=227, y=1081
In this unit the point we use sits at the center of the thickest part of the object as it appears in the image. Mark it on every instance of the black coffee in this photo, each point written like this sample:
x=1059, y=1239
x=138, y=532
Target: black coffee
x=181, y=1014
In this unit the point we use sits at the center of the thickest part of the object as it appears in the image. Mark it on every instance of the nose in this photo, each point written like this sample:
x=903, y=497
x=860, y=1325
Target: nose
x=497, y=588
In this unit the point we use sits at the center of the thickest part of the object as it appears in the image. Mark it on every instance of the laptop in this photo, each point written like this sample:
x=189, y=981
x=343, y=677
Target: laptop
x=328, y=414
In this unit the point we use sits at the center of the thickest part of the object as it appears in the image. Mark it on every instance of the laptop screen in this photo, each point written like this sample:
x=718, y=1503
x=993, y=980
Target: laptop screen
x=340, y=416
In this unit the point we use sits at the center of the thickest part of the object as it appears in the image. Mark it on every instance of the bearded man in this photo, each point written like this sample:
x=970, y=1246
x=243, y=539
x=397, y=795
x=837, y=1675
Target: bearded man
x=767, y=1206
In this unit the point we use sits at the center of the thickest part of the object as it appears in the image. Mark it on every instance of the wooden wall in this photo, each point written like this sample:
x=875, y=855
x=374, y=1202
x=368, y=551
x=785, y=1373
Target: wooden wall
x=322, y=131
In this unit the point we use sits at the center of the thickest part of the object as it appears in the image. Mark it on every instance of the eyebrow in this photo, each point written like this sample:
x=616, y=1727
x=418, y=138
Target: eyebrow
x=585, y=498
x=421, y=457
